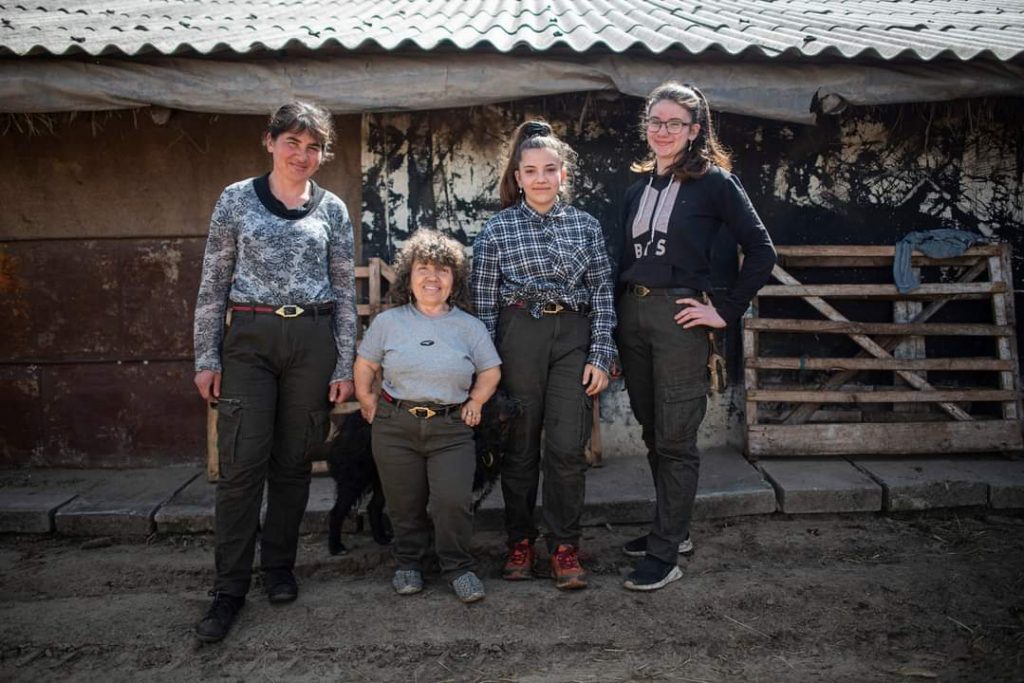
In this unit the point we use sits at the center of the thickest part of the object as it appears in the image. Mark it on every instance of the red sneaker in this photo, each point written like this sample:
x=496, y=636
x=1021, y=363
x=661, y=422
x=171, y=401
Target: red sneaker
x=519, y=564
x=566, y=568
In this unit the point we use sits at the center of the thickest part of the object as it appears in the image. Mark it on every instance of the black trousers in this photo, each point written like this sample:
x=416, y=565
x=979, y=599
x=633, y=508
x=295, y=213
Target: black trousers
x=542, y=367
x=273, y=408
x=665, y=369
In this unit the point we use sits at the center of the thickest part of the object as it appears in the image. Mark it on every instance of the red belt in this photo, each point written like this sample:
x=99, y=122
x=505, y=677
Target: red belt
x=286, y=311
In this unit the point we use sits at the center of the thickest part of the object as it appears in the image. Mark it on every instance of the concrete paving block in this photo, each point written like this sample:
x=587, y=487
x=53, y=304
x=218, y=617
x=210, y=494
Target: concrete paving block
x=918, y=483
x=729, y=486
x=321, y=500
x=1005, y=482
x=30, y=511
x=925, y=483
x=29, y=499
x=816, y=485
x=190, y=511
x=124, y=504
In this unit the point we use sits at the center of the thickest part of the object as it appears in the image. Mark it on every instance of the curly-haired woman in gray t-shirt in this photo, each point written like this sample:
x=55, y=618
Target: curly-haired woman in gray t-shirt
x=439, y=367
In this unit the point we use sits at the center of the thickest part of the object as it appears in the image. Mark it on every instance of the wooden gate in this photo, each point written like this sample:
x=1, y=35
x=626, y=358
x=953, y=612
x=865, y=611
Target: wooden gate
x=926, y=394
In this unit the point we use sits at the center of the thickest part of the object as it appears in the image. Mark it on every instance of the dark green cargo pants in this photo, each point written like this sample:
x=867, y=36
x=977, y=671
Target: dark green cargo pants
x=542, y=367
x=273, y=408
x=426, y=467
x=665, y=368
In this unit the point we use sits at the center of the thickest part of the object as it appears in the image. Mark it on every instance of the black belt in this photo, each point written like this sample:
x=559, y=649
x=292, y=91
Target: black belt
x=553, y=307
x=286, y=311
x=641, y=291
x=420, y=409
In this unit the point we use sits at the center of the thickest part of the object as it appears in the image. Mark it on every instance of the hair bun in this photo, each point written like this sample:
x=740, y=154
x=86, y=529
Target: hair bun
x=534, y=129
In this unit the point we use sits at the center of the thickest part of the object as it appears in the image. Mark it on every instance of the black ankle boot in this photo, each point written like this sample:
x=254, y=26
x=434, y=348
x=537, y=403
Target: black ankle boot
x=217, y=622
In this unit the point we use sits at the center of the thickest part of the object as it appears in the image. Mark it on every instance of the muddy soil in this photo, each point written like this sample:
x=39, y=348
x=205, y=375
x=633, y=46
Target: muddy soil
x=860, y=598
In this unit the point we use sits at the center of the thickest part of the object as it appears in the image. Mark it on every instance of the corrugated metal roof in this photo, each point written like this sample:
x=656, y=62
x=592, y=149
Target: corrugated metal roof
x=886, y=29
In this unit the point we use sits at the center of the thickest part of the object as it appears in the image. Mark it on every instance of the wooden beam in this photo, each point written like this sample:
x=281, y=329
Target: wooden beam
x=857, y=328
x=870, y=261
x=886, y=396
x=907, y=438
x=1000, y=268
x=868, y=250
x=882, y=291
x=923, y=364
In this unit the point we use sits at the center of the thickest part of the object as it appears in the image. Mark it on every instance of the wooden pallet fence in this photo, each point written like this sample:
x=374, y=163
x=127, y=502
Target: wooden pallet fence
x=923, y=408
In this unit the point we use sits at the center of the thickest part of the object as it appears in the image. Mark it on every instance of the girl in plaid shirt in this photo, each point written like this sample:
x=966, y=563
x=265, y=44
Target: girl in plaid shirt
x=542, y=285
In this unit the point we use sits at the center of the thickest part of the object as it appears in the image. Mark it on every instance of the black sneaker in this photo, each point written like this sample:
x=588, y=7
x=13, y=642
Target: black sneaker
x=638, y=547
x=281, y=586
x=651, y=574
x=217, y=622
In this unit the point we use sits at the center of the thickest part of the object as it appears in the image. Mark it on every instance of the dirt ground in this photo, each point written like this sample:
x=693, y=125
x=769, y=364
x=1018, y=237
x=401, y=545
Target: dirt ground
x=859, y=598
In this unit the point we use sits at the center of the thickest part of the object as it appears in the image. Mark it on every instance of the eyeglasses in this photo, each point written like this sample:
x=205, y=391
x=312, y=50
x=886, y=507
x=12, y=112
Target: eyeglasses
x=674, y=126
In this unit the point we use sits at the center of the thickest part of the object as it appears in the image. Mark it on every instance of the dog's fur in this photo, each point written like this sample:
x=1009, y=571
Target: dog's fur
x=350, y=462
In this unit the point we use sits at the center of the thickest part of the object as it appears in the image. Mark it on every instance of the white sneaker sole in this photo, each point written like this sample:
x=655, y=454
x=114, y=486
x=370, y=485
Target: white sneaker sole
x=673, y=575
x=685, y=548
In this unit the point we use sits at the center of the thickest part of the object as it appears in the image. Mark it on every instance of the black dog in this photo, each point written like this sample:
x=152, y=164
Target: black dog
x=350, y=462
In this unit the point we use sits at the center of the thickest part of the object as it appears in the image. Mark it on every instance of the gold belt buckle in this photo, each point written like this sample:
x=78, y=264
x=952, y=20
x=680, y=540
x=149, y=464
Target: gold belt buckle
x=640, y=290
x=422, y=411
x=290, y=311
x=552, y=308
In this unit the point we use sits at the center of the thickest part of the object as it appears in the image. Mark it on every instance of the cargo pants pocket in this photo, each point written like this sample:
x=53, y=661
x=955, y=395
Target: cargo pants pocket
x=229, y=422
x=680, y=413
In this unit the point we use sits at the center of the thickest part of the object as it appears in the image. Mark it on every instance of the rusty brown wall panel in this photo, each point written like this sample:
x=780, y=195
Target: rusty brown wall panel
x=21, y=411
x=101, y=415
x=73, y=300
x=119, y=174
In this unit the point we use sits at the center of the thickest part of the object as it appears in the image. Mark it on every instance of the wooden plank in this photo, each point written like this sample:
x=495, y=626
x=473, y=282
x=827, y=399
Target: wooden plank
x=886, y=396
x=883, y=291
x=910, y=438
x=867, y=250
x=869, y=344
x=895, y=329
x=750, y=351
x=801, y=413
x=212, y=455
x=595, y=448
x=870, y=261
x=374, y=289
x=788, y=363
x=1000, y=268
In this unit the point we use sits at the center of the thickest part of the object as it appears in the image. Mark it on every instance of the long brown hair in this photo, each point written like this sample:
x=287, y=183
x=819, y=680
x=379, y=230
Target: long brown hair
x=704, y=150
x=534, y=134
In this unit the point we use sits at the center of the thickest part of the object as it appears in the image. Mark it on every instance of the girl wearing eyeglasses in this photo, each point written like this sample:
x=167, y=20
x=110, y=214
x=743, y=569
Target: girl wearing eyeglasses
x=670, y=221
x=542, y=285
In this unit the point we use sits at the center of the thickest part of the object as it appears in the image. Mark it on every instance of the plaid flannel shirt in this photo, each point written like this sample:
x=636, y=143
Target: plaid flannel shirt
x=560, y=256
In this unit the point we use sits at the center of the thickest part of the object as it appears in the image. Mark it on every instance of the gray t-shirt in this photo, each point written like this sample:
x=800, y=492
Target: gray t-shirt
x=428, y=359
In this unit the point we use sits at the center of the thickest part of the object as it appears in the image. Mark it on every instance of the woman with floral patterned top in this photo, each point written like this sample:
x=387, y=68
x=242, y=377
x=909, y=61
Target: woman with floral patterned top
x=542, y=285
x=279, y=258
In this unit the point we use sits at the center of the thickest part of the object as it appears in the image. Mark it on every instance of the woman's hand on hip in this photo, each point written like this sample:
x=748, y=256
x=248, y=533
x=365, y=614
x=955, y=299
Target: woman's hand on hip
x=208, y=383
x=341, y=391
x=595, y=379
x=697, y=313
